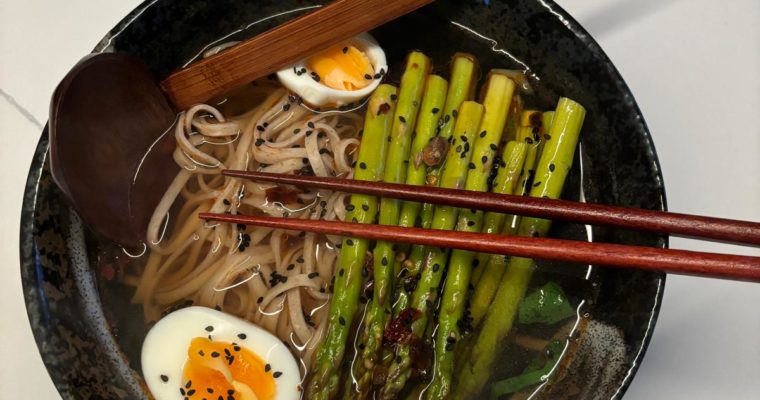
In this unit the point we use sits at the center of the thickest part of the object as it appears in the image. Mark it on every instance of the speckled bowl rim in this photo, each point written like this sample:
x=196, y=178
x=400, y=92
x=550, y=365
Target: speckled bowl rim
x=32, y=301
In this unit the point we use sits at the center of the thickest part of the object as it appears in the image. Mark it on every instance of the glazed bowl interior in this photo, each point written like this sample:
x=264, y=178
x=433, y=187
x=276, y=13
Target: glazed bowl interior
x=90, y=335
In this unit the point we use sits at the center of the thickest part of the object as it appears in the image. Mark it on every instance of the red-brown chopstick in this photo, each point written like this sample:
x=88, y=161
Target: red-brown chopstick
x=725, y=266
x=593, y=214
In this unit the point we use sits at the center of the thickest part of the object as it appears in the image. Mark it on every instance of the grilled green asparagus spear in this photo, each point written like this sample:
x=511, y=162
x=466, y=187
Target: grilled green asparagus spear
x=493, y=222
x=553, y=166
x=348, y=280
x=494, y=267
x=453, y=176
x=462, y=87
x=498, y=96
x=463, y=79
x=413, y=83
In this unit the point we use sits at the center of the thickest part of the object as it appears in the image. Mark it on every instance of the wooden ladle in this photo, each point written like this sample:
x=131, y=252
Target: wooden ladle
x=111, y=133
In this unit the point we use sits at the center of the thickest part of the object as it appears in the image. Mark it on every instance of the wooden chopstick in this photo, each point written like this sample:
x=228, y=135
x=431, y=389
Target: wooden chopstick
x=724, y=266
x=594, y=214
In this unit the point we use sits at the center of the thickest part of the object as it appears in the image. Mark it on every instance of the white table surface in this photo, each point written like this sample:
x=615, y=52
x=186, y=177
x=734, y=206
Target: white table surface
x=693, y=65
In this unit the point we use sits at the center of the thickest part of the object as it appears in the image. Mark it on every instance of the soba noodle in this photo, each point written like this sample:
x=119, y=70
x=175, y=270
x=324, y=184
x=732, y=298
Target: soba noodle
x=276, y=279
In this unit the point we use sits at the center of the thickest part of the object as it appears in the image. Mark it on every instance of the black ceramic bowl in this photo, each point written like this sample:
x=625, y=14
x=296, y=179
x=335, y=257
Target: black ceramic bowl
x=72, y=316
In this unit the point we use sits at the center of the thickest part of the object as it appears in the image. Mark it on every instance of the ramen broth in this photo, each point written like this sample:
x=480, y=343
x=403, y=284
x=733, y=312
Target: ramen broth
x=246, y=284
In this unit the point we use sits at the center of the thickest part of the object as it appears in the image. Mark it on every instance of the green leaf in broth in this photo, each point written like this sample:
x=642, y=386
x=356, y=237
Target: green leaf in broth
x=535, y=372
x=547, y=305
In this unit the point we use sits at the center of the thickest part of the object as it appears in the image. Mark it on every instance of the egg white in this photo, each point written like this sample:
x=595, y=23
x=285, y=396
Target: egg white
x=164, y=350
x=318, y=94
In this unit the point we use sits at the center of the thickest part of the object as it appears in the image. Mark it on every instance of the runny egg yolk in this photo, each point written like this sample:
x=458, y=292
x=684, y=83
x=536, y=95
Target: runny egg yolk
x=342, y=67
x=226, y=370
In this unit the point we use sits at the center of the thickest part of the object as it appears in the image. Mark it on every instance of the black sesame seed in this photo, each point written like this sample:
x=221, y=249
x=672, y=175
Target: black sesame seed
x=342, y=272
x=286, y=107
x=384, y=261
x=454, y=113
x=551, y=167
x=365, y=207
x=258, y=301
x=305, y=160
x=471, y=166
x=308, y=133
x=210, y=390
x=446, y=118
x=260, y=128
x=236, y=348
x=436, y=267
x=277, y=374
x=313, y=275
x=367, y=76
x=394, y=97
x=547, y=136
x=290, y=267
x=350, y=207
x=470, y=223
x=299, y=260
x=342, y=320
x=363, y=165
x=191, y=392
x=528, y=140
x=209, y=328
x=536, y=184
x=214, y=354
x=182, y=391
x=315, y=77
x=310, y=124
x=401, y=118
x=435, y=110
x=349, y=242
x=230, y=391
x=164, y=378
x=492, y=147
x=345, y=50
x=484, y=159
x=483, y=134
x=377, y=76
x=267, y=368
x=226, y=202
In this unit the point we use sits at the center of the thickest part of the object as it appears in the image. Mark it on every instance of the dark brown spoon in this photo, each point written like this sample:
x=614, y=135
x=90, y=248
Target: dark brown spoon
x=109, y=111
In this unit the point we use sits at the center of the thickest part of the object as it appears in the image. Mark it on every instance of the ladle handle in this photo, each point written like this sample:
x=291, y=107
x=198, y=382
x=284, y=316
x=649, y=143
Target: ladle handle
x=280, y=47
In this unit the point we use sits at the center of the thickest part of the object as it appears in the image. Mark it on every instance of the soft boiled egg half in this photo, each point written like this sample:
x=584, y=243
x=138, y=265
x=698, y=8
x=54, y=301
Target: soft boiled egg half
x=197, y=353
x=342, y=74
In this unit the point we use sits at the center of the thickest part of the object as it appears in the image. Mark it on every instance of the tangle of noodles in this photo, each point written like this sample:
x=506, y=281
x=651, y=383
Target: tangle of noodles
x=276, y=279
